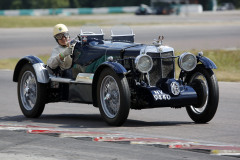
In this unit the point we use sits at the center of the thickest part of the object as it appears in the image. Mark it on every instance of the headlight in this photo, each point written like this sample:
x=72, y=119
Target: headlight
x=187, y=61
x=143, y=63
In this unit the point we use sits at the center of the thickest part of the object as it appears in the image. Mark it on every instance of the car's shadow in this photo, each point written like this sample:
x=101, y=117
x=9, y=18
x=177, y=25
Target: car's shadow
x=86, y=121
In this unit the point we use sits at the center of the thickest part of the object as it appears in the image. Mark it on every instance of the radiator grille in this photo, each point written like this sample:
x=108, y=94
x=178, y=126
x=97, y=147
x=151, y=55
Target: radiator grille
x=162, y=67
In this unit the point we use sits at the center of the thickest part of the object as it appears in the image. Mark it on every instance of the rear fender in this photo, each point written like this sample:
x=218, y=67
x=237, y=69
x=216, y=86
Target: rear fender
x=38, y=65
x=117, y=67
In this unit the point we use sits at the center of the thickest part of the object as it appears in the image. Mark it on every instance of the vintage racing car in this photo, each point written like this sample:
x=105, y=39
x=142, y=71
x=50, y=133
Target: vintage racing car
x=117, y=75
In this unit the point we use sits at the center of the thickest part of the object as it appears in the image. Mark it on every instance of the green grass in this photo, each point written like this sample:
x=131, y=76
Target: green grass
x=43, y=21
x=228, y=63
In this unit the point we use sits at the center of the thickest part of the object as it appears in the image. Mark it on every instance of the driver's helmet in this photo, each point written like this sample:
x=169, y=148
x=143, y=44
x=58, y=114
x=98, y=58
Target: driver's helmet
x=59, y=31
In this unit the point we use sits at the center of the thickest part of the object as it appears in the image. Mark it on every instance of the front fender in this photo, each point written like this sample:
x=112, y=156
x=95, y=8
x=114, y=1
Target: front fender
x=208, y=63
x=38, y=65
x=117, y=67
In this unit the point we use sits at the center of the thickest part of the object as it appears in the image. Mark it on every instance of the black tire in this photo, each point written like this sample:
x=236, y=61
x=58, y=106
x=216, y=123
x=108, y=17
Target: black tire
x=113, y=96
x=206, y=111
x=31, y=94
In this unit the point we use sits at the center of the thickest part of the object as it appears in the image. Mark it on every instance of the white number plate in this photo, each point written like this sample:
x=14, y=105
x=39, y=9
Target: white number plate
x=159, y=95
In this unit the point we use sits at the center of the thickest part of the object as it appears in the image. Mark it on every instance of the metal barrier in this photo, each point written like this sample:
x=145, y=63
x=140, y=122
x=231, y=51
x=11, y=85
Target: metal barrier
x=68, y=11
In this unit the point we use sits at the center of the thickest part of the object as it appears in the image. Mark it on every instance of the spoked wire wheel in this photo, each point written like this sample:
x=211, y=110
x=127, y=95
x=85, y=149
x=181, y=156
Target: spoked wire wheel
x=110, y=96
x=28, y=90
x=113, y=96
x=31, y=94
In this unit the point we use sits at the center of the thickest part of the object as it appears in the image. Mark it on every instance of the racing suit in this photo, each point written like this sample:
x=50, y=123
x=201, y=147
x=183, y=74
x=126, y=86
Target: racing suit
x=54, y=61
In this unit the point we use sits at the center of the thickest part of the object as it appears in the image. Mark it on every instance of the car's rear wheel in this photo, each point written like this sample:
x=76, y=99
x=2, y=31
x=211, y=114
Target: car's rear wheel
x=208, y=90
x=31, y=94
x=113, y=97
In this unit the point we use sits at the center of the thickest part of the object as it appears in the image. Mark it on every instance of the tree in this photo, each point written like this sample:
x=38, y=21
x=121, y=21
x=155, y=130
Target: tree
x=5, y=4
x=33, y=4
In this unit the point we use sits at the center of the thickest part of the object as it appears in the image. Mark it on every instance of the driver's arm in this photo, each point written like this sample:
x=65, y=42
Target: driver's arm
x=61, y=58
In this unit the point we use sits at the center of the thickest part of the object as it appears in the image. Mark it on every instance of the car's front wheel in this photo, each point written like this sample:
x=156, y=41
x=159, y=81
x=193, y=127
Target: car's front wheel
x=205, y=83
x=31, y=94
x=113, y=97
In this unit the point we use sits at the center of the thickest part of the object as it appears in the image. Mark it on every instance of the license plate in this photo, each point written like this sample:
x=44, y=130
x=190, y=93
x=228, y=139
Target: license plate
x=159, y=95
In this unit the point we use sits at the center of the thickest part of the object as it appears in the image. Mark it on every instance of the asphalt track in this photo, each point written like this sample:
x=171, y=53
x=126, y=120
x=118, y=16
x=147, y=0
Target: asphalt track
x=76, y=131
x=37, y=41
x=185, y=32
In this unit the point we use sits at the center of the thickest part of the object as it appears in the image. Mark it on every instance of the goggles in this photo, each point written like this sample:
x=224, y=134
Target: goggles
x=60, y=35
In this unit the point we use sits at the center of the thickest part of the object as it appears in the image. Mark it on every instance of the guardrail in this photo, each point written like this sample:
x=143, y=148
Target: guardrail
x=67, y=11
x=191, y=8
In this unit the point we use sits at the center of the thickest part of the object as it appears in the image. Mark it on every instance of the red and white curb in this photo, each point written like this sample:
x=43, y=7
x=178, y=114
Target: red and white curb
x=71, y=134
x=60, y=132
x=21, y=127
x=226, y=150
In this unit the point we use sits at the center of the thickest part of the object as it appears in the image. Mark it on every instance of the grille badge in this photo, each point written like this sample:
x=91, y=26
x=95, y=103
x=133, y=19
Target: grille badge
x=175, y=89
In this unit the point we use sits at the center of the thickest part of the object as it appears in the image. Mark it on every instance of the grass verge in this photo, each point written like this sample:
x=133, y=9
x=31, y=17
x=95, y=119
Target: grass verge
x=46, y=21
x=228, y=63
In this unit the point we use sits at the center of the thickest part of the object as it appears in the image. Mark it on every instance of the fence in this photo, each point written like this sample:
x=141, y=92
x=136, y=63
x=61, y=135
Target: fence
x=68, y=11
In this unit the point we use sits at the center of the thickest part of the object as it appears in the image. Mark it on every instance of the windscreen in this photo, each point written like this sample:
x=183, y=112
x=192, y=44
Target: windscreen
x=121, y=30
x=91, y=30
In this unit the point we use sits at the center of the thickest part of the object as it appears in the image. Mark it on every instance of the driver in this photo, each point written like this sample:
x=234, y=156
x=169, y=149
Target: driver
x=60, y=57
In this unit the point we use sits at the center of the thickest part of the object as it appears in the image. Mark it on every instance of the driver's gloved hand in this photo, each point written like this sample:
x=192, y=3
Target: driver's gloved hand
x=67, y=52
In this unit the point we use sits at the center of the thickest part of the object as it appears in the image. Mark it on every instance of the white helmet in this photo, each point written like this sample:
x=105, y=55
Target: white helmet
x=59, y=28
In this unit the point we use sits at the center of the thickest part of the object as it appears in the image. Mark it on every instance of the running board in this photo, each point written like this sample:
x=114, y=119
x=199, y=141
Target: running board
x=85, y=78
